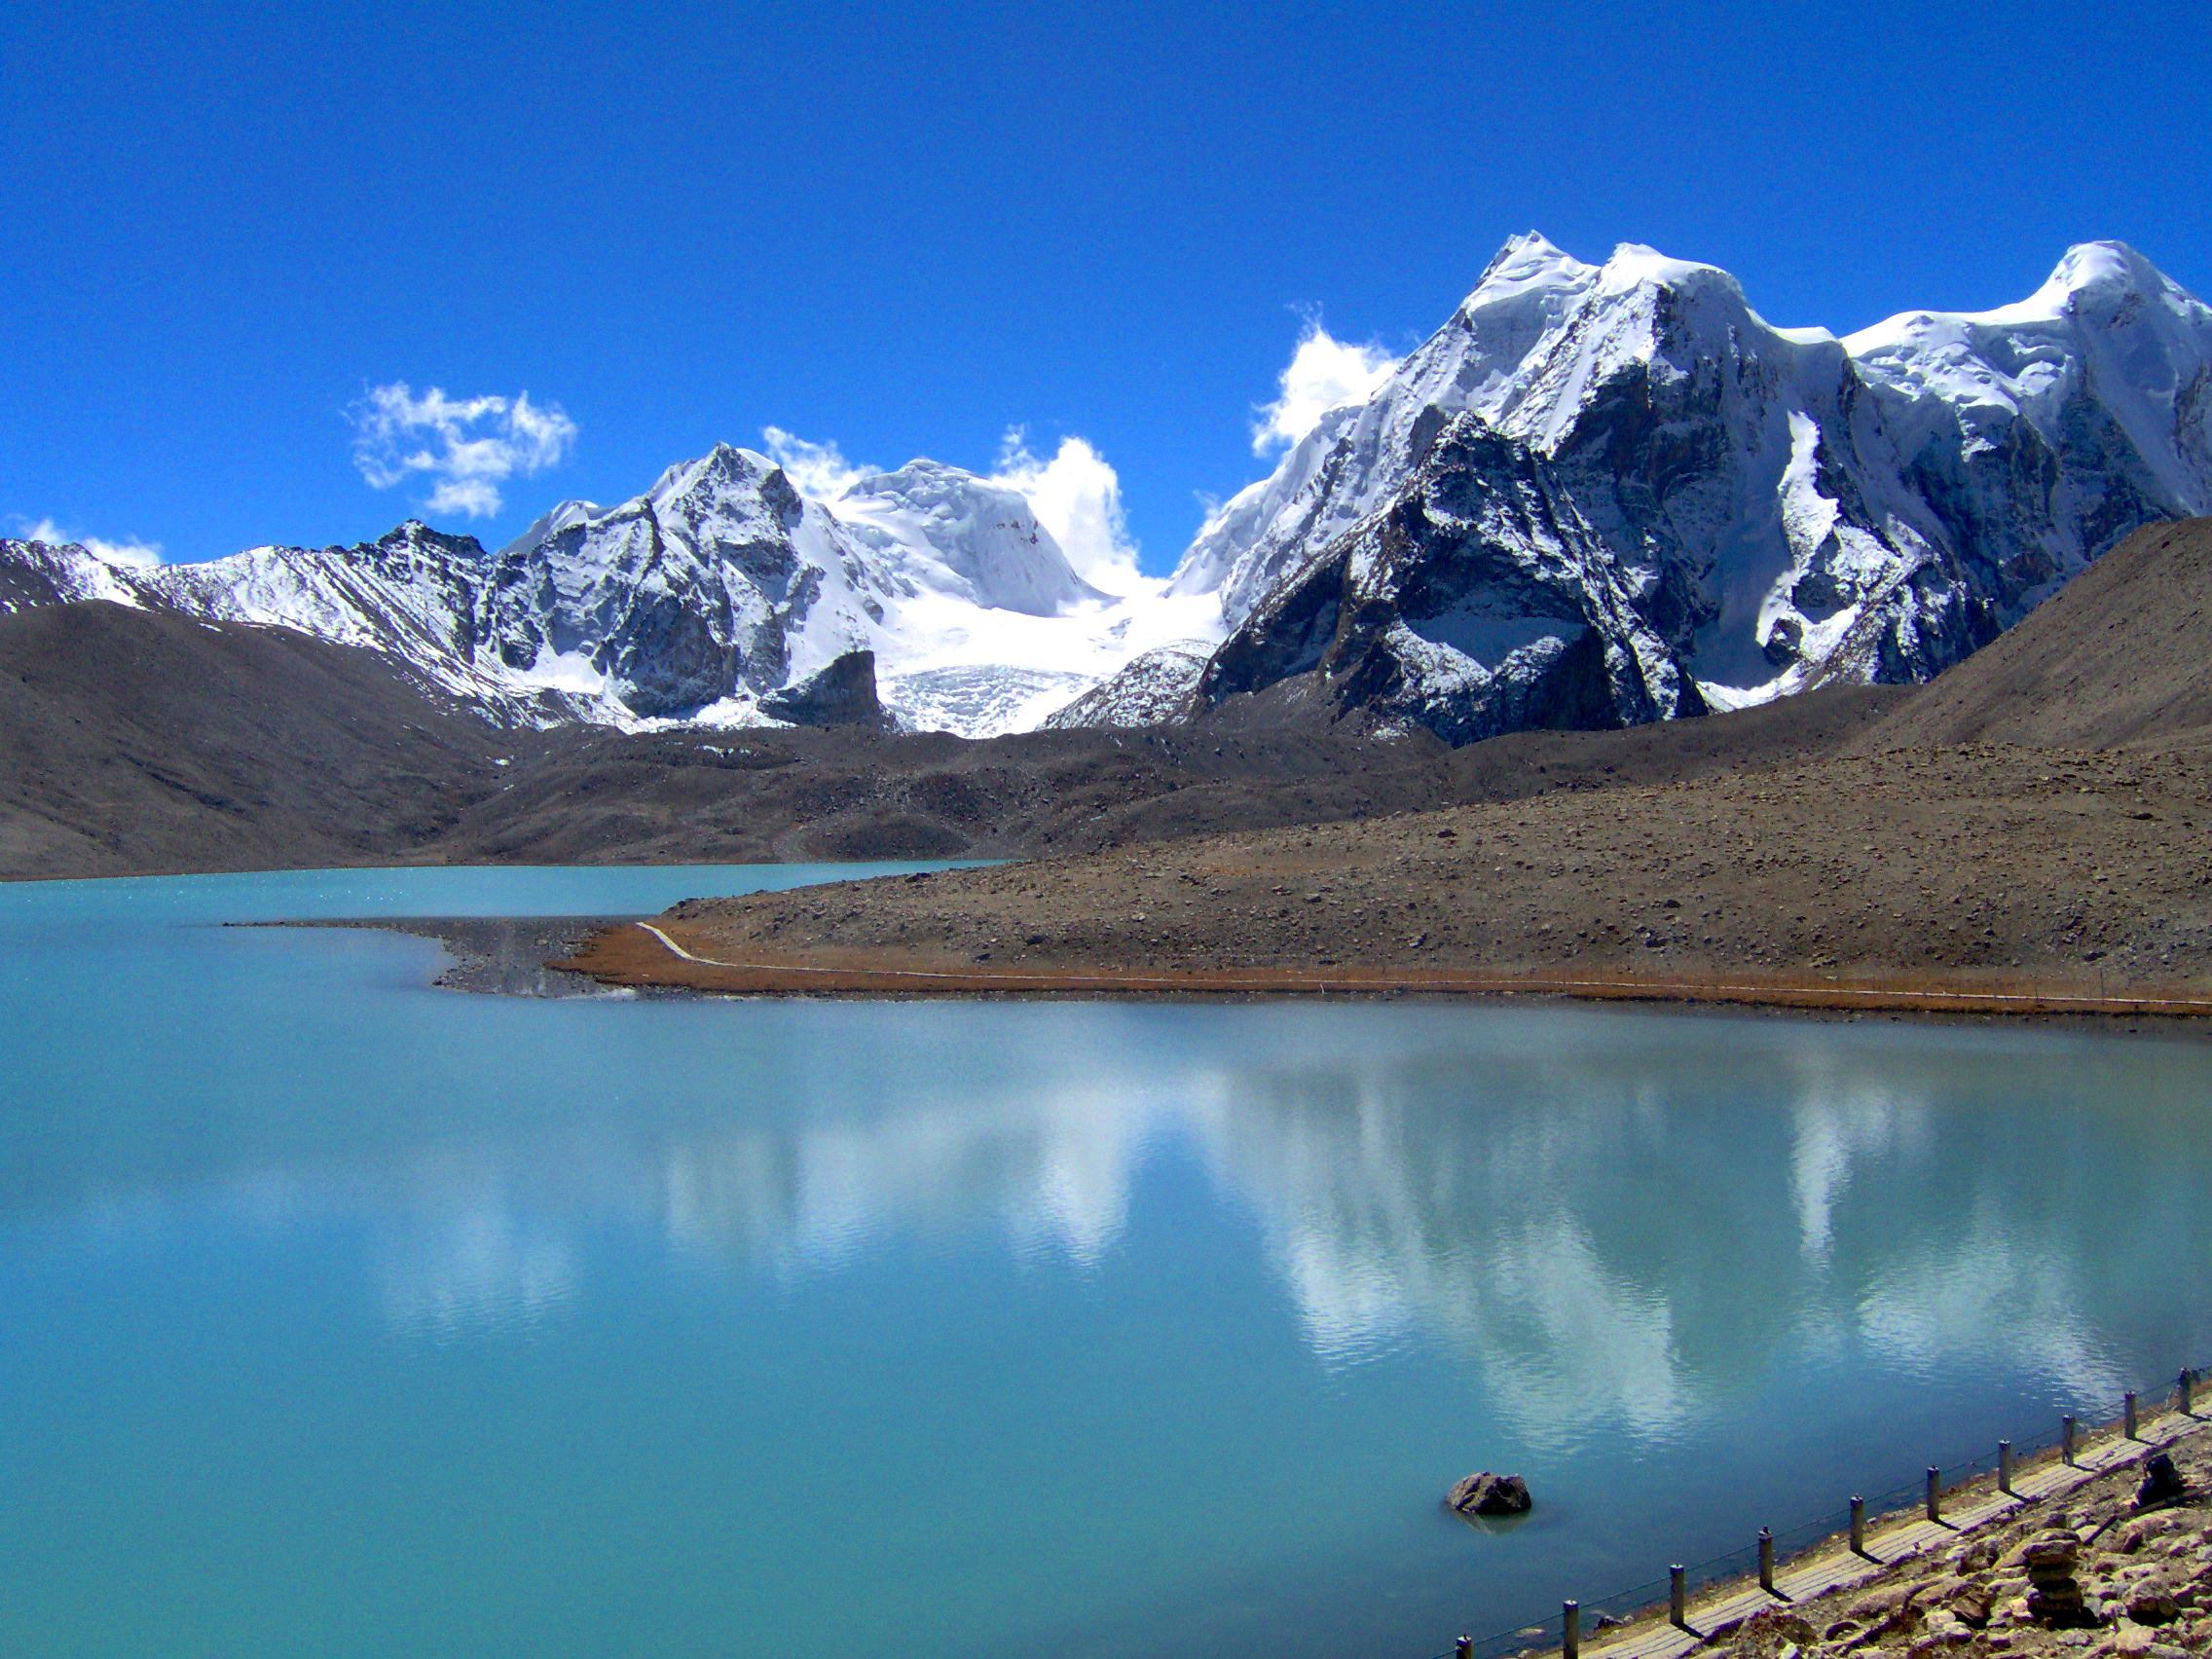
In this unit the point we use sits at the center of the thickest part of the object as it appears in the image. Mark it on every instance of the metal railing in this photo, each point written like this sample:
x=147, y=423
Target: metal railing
x=2066, y=1440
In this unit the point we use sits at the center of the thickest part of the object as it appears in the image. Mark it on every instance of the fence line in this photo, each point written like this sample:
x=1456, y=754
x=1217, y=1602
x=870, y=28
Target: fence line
x=2065, y=1442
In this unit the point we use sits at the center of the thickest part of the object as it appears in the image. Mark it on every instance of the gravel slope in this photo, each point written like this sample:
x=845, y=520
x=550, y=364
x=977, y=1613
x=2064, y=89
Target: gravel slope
x=1974, y=866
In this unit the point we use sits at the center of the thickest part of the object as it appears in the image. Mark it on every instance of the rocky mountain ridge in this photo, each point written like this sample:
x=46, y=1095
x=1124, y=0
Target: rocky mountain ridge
x=704, y=600
x=1609, y=494
x=1600, y=494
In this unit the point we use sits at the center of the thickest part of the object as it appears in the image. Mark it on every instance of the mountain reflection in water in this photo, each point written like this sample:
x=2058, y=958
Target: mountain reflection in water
x=595, y=1325
x=1675, y=1195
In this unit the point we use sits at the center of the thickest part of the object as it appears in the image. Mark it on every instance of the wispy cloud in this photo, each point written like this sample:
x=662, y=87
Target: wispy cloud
x=467, y=447
x=1324, y=374
x=818, y=470
x=130, y=552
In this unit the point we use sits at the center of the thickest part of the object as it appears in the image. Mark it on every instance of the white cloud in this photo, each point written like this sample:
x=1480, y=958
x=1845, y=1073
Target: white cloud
x=467, y=446
x=1077, y=496
x=1324, y=374
x=132, y=553
x=818, y=470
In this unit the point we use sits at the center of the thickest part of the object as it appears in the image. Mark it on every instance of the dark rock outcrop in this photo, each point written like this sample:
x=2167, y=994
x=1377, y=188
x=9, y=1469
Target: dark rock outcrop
x=1478, y=603
x=1487, y=1494
x=2161, y=1482
x=842, y=694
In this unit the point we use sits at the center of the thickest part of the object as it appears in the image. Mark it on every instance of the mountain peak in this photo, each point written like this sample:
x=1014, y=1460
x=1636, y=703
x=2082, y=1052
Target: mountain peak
x=2093, y=280
x=919, y=470
x=2104, y=265
x=723, y=465
x=1633, y=264
x=1527, y=262
x=983, y=535
x=2099, y=278
x=1531, y=264
x=413, y=534
x=1524, y=248
x=548, y=525
x=925, y=480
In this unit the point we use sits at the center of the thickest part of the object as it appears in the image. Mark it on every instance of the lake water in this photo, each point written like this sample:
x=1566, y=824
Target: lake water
x=339, y=1314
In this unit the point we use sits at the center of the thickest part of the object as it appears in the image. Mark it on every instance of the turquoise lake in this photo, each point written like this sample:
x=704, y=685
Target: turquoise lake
x=341, y=1314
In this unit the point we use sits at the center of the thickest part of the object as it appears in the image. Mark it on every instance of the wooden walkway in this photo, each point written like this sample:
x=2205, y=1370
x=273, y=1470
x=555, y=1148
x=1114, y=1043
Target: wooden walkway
x=1833, y=1567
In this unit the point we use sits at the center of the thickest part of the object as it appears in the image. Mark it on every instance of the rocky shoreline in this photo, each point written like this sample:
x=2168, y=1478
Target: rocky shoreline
x=2095, y=1571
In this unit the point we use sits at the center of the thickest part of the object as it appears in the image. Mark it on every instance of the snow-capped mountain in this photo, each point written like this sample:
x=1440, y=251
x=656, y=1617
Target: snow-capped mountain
x=43, y=572
x=1600, y=494
x=963, y=535
x=419, y=597
x=1610, y=493
x=707, y=598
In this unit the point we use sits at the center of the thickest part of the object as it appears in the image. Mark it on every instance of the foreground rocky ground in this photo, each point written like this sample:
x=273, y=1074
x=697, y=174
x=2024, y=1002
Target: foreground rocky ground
x=2090, y=1573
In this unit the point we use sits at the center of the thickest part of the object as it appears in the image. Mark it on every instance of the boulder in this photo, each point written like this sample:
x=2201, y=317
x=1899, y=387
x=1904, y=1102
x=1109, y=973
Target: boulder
x=2153, y=1605
x=2161, y=1481
x=2053, y=1554
x=1486, y=1494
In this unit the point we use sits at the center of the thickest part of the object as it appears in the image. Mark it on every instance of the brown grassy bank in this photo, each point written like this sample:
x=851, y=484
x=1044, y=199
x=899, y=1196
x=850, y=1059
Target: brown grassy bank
x=633, y=956
x=1977, y=879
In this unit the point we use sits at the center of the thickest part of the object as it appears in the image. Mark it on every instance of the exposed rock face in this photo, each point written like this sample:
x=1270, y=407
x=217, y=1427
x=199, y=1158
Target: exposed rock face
x=1478, y=603
x=1154, y=688
x=1609, y=493
x=1486, y=1494
x=843, y=694
x=720, y=582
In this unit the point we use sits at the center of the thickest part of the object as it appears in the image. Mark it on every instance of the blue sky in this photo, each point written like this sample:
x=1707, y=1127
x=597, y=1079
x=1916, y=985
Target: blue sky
x=905, y=230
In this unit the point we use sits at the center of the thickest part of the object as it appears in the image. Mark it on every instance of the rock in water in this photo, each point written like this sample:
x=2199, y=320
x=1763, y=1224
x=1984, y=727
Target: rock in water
x=1486, y=1494
x=2161, y=1482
